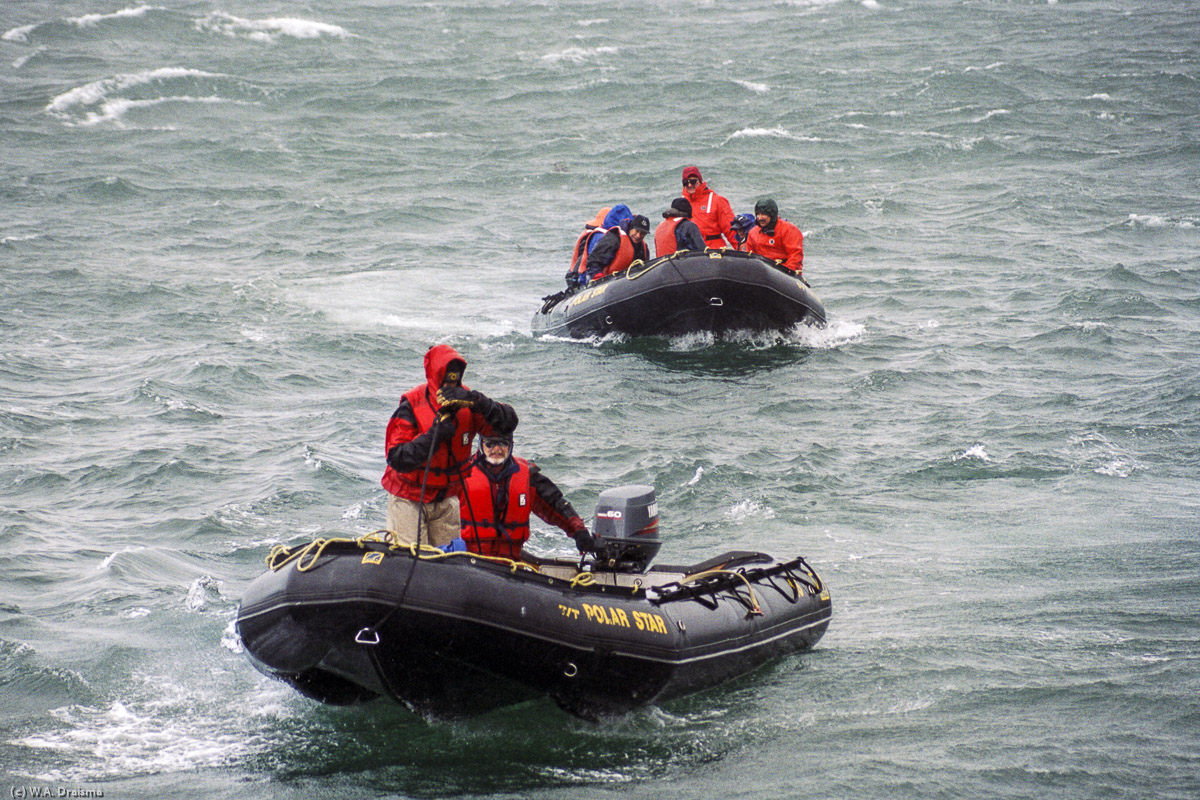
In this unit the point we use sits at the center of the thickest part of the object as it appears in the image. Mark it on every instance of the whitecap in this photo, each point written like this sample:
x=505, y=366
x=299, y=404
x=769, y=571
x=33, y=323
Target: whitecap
x=107, y=562
x=98, y=93
x=749, y=508
x=777, y=131
x=973, y=453
x=267, y=30
x=760, y=88
x=1117, y=468
x=20, y=34
x=91, y=20
x=695, y=478
x=1157, y=221
x=578, y=55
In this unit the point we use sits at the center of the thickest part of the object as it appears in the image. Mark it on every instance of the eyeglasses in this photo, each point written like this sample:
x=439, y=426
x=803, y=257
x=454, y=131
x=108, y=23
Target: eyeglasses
x=495, y=443
x=691, y=181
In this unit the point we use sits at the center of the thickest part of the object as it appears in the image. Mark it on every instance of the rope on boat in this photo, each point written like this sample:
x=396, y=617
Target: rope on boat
x=306, y=557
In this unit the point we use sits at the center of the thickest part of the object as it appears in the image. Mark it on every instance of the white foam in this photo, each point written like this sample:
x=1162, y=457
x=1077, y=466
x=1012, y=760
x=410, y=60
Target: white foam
x=202, y=590
x=20, y=34
x=836, y=333
x=268, y=30
x=759, y=88
x=91, y=20
x=578, y=55
x=696, y=478
x=1157, y=221
x=1117, y=468
x=98, y=93
x=747, y=509
x=107, y=562
x=973, y=453
x=169, y=731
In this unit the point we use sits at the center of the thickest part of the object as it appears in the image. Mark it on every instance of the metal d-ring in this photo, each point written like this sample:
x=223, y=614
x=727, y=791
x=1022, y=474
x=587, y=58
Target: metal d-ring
x=360, y=637
x=571, y=670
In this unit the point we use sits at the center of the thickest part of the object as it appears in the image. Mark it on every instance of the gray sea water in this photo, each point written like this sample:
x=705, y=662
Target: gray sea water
x=230, y=230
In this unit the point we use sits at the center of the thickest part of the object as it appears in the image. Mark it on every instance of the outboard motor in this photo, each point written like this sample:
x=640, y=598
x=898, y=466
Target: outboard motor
x=626, y=528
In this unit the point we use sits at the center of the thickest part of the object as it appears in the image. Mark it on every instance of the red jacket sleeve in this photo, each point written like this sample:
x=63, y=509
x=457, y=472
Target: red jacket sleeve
x=793, y=245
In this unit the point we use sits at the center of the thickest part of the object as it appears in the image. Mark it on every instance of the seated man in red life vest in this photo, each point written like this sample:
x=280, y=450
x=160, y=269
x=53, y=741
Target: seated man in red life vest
x=775, y=238
x=677, y=231
x=498, y=495
x=619, y=248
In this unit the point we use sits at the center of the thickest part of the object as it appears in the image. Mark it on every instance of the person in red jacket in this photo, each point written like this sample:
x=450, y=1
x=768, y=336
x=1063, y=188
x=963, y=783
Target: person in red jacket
x=710, y=211
x=428, y=447
x=499, y=494
x=775, y=238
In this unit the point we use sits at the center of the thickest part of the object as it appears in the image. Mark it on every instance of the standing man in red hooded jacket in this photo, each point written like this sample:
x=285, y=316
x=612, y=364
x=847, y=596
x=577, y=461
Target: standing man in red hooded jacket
x=710, y=211
x=428, y=447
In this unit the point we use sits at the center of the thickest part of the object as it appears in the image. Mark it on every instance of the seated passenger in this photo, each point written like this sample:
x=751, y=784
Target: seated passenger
x=593, y=232
x=498, y=495
x=775, y=238
x=677, y=231
x=619, y=248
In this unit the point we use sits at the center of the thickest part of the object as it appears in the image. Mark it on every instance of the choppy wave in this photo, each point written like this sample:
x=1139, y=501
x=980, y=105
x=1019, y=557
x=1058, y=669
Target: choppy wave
x=268, y=30
x=579, y=55
x=21, y=34
x=110, y=99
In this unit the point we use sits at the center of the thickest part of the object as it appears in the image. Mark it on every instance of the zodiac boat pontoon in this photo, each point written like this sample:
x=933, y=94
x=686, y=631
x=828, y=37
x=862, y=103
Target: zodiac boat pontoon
x=453, y=634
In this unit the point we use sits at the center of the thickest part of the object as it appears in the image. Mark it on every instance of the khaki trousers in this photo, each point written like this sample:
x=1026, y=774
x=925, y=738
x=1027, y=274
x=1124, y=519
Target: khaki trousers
x=439, y=522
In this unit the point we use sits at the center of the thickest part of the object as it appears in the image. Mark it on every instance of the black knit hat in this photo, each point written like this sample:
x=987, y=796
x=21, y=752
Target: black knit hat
x=767, y=207
x=680, y=207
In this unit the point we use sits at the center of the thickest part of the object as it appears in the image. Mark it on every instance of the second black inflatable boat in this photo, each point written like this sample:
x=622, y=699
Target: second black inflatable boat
x=717, y=291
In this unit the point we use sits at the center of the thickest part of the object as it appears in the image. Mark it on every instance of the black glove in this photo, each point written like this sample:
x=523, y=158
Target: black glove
x=584, y=540
x=443, y=429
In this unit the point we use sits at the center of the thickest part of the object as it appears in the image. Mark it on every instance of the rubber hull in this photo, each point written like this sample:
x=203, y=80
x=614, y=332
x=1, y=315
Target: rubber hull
x=715, y=291
x=459, y=635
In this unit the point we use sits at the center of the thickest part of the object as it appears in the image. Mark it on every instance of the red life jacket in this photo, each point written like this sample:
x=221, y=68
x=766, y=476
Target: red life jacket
x=580, y=253
x=623, y=258
x=482, y=532
x=447, y=462
x=664, y=237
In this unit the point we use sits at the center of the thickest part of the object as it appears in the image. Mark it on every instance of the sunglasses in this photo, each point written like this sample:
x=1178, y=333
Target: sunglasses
x=495, y=443
x=691, y=181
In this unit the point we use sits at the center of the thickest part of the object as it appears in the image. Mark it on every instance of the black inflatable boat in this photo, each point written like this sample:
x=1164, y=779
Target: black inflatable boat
x=454, y=634
x=715, y=291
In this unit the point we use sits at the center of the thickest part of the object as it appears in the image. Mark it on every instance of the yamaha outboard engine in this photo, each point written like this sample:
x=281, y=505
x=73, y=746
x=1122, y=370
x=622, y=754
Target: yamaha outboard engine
x=626, y=528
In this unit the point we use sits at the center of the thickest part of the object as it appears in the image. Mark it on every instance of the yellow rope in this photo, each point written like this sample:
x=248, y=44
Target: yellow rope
x=306, y=557
x=583, y=579
x=630, y=275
